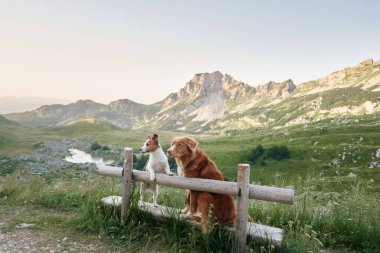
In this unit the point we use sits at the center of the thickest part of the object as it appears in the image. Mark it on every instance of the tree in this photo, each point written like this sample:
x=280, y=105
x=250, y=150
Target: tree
x=278, y=152
x=256, y=153
x=95, y=146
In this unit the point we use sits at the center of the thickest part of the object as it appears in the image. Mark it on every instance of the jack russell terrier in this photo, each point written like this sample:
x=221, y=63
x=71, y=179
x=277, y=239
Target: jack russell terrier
x=157, y=163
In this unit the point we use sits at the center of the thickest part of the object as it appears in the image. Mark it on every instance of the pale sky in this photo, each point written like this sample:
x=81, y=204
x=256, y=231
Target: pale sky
x=144, y=50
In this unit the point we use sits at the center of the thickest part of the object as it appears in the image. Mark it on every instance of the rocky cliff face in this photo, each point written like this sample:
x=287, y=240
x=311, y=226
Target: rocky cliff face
x=365, y=74
x=217, y=102
x=211, y=96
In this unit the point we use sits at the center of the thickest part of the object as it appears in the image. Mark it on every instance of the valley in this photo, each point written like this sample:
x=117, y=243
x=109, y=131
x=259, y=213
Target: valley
x=329, y=127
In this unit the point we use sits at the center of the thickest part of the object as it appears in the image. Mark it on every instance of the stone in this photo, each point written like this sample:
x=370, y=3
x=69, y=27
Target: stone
x=378, y=153
x=24, y=225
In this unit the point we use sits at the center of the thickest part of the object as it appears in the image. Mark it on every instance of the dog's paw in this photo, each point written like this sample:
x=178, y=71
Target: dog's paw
x=152, y=177
x=170, y=173
x=183, y=211
x=185, y=216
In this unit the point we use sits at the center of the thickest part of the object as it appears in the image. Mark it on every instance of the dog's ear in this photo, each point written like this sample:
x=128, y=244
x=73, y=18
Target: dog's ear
x=192, y=144
x=155, y=138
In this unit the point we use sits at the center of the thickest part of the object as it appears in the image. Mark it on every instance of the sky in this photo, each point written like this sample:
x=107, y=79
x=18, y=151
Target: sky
x=144, y=50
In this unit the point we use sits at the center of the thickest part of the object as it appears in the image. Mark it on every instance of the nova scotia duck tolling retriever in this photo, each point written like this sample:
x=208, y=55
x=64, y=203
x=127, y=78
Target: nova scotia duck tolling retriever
x=194, y=163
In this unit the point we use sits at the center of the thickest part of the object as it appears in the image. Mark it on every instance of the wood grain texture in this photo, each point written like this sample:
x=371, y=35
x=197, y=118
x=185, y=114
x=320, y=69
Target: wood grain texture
x=259, y=192
x=127, y=181
x=242, y=206
x=255, y=231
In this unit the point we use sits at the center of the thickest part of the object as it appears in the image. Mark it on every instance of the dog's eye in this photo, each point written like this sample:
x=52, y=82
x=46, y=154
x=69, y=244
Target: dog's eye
x=147, y=144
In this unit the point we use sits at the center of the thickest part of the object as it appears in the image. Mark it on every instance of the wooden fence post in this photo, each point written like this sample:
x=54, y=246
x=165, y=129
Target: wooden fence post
x=242, y=207
x=127, y=181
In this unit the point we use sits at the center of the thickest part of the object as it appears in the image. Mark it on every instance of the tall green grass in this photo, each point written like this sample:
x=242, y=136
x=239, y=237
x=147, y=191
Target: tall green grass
x=319, y=219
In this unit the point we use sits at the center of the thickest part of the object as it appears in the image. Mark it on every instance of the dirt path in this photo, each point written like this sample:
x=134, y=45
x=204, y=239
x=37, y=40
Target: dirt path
x=32, y=240
x=18, y=234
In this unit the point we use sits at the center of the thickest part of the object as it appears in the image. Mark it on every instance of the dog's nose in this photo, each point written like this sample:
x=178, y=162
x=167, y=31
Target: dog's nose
x=140, y=149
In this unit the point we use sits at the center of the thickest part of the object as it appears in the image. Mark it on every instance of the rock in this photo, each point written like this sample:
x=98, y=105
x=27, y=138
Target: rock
x=24, y=225
x=335, y=162
x=352, y=175
x=374, y=164
x=378, y=153
x=319, y=212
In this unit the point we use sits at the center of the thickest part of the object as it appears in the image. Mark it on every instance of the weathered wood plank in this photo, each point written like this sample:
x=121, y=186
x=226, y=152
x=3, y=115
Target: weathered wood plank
x=256, y=231
x=259, y=192
x=112, y=200
x=110, y=171
x=242, y=207
x=196, y=184
x=127, y=181
x=273, y=194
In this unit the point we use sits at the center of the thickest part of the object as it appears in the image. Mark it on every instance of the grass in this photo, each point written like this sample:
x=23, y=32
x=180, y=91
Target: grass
x=319, y=219
x=333, y=211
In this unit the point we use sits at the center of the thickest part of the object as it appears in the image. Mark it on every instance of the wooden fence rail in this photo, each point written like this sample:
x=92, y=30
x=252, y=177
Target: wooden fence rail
x=241, y=189
x=259, y=192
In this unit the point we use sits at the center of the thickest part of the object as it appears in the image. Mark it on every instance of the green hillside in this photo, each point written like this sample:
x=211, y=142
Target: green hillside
x=328, y=168
x=312, y=148
x=5, y=121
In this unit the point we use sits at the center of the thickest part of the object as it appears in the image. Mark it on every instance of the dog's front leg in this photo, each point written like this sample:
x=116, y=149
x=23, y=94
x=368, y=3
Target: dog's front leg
x=179, y=171
x=142, y=190
x=152, y=174
x=187, y=205
x=193, y=206
x=167, y=170
x=155, y=195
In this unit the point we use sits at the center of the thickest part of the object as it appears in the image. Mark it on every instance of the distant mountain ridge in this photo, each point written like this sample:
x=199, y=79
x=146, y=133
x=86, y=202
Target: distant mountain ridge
x=216, y=102
x=22, y=104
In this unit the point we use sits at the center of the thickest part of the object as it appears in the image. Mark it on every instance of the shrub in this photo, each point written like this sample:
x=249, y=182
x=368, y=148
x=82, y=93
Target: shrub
x=256, y=153
x=95, y=146
x=278, y=152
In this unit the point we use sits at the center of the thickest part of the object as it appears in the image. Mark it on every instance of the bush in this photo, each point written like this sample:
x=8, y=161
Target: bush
x=278, y=152
x=106, y=148
x=256, y=153
x=95, y=146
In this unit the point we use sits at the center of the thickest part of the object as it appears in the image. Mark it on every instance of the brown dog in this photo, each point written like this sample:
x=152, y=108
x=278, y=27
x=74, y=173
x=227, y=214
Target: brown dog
x=195, y=163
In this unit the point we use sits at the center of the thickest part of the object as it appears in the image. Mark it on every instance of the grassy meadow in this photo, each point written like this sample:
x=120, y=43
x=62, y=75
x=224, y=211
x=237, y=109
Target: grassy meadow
x=337, y=205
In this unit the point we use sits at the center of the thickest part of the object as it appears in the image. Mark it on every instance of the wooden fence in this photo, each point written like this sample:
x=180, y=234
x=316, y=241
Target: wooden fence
x=241, y=189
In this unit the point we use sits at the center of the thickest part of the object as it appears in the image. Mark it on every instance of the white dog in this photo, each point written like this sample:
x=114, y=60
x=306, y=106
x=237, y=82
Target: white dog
x=157, y=163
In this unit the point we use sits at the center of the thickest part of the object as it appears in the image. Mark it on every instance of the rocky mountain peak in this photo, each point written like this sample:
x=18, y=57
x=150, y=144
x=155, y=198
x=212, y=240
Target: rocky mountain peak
x=121, y=104
x=274, y=90
x=201, y=85
x=367, y=63
x=348, y=74
x=85, y=102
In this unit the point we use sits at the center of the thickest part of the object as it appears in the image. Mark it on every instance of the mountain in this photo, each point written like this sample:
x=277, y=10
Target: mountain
x=7, y=122
x=348, y=92
x=216, y=102
x=22, y=104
